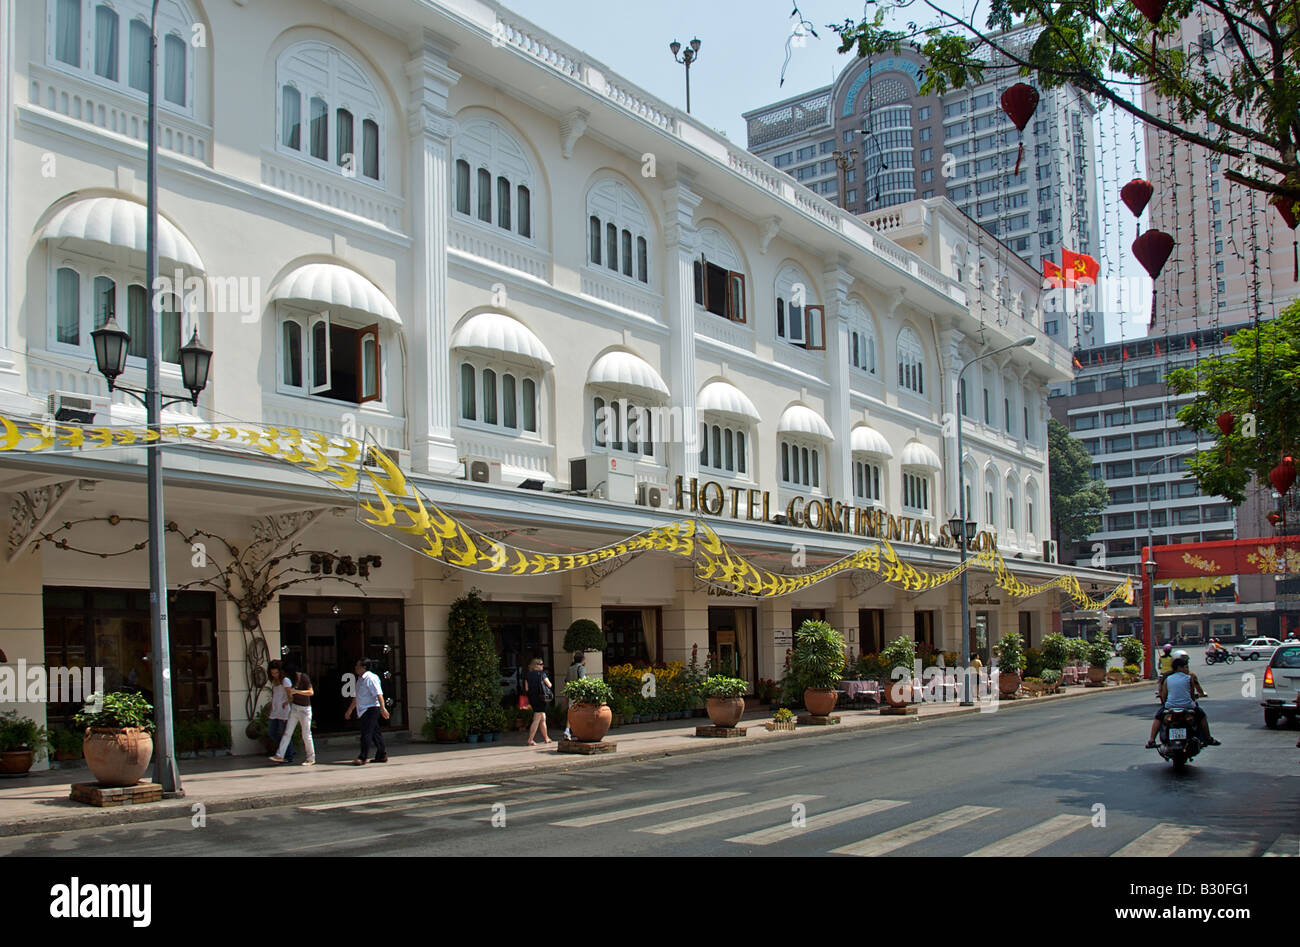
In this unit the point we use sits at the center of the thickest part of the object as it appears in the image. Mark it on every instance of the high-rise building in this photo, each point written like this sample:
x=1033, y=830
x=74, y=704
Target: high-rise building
x=898, y=145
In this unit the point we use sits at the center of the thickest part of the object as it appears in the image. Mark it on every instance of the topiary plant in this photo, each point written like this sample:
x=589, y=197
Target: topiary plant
x=818, y=659
x=584, y=635
x=473, y=671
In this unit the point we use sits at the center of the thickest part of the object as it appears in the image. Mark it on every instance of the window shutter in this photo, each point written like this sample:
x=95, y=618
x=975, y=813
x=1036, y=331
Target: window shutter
x=318, y=335
x=368, y=364
x=701, y=284
x=816, y=334
x=736, y=296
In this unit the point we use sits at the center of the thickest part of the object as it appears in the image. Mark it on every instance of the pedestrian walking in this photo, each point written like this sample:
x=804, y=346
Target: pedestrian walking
x=369, y=707
x=577, y=671
x=539, y=696
x=278, y=717
x=300, y=695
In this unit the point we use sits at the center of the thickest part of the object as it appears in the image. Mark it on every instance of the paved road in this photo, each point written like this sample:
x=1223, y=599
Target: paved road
x=1025, y=781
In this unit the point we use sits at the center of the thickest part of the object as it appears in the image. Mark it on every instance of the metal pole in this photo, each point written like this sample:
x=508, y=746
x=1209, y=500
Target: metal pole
x=966, y=700
x=688, y=83
x=164, y=754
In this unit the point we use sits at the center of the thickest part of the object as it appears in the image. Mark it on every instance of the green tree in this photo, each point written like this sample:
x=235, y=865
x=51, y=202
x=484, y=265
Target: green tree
x=1259, y=381
x=1239, y=97
x=1077, y=499
x=473, y=672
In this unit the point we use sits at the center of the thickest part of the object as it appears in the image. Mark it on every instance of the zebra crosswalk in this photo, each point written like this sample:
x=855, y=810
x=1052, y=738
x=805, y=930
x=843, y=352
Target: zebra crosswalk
x=744, y=819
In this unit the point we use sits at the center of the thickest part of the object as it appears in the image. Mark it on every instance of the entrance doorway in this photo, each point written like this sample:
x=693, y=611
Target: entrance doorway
x=324, y=637
x=733, y=640
x=521, y=631
x=800, y=615
x=871, y=630
x=923, y=630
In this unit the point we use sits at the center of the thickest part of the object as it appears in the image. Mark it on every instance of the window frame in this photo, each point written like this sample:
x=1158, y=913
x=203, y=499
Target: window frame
x=358, y=323
x=807, y=452
x=742, y=462
x=522, y=376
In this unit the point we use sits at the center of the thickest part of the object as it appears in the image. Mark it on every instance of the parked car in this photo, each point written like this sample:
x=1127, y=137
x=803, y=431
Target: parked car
x=1281, y=689
x=1256, y=648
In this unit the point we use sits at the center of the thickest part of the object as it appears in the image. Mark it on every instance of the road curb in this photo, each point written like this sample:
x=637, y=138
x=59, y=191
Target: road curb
x=182, y=808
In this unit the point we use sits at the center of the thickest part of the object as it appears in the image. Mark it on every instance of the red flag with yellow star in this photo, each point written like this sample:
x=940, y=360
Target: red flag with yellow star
x=1076, y=266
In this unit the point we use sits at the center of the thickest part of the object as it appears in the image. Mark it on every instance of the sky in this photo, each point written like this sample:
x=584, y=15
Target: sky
x=739, y=68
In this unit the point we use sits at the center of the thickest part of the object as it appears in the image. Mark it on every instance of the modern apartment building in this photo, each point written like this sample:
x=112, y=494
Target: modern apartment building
x=1122, y=411
x=907, y=146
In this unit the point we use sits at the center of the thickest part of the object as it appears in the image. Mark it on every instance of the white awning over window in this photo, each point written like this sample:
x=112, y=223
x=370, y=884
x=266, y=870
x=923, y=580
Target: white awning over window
x=499, y=336
x=725, y=398
x=800, y=419
x=328, y=284
x=867, y=440
x=623, y=371
x=916, y=454
x=116, y=222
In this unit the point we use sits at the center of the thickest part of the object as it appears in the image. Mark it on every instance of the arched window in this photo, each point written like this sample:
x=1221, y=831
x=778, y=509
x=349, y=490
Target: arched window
x=496, y=396
x=1031, y=509
x=502, y=181
x=719, y=276
x=616, y=207
x=799, y=320
x=333, y=87
x=800, y=464
x=724, y=447
x=1011, y=503
x=862, y=337
x=911, y=362
x=107, y=41
x=916, y=491
x=624, y=425
x=991, y=498
x=86, y=293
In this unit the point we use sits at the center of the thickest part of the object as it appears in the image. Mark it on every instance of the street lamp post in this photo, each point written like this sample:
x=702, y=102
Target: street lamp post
x=843, y=159
x=691, y=54
x=968, y=527
x=1149, y=632
x=110, y=344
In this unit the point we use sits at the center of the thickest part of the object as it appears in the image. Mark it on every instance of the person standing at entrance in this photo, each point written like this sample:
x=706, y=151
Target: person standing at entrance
x=539, y=694
x=278, y=717
x=300, y=694
x=577, y=671
x=369, y=707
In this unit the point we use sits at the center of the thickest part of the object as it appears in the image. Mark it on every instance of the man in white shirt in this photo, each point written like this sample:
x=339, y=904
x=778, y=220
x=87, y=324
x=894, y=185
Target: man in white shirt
x=279, y=716
x=369, y=707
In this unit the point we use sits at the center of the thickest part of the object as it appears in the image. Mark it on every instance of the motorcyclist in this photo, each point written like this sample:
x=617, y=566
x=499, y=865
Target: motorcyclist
x=1166, y=659
x=1179, y=691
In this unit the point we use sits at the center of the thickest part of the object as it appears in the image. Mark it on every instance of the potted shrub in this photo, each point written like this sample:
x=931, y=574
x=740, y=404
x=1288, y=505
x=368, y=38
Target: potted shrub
x=589, y=715
x=22, y=741
x=584, y=635
x=117, y=744
x=65, y=745
x=817, y=665
x=447, y=723
x=724, y=699
x=1011, y=661
x=783, y=719
x=1099, y=654
x=1056, y=650
x=216, y=736
x=493, y=722
x=1051, y=679
x=899, y=653
x=1131, y=652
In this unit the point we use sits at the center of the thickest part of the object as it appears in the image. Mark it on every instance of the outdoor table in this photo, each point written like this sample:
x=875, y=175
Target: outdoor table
x=856, y=690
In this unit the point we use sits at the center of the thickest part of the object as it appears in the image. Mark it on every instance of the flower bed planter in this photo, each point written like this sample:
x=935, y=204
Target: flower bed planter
x=781, y=724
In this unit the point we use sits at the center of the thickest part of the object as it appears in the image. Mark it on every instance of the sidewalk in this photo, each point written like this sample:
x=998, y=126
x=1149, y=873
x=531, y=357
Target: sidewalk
x=39, y=802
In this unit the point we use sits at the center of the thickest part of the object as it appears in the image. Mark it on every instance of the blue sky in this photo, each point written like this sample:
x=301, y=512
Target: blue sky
x=740, y=67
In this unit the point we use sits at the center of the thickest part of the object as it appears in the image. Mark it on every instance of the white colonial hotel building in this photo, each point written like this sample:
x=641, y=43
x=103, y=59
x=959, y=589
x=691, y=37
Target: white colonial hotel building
x=436, y=225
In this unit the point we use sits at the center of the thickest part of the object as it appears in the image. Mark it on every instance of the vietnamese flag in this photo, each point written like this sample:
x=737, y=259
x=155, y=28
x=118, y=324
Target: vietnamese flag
x=1077, y=363
x=1078, y=266
x=1157, y=348
x=1124, y=357
x=1191, y=344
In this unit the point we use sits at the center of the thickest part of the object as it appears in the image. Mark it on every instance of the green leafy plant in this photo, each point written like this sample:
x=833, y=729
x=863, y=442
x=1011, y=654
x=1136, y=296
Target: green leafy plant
x=492, y=719
x=451, y=717
x=720, y=686
x=1100, y=652
x=588, y=690
x=215, y=734
x=116, y=711
x=1056, y=650
x=817, y=662
x=584, y=635
x=1132, y=670
x=473, y=671
x=1034, y=662
x=1132, y=652
x=22, y=733
x=783, y=715
x=901, y=652
x=1051, y=676
x=1077, y=649
x=1011, y=658
x=66, y=741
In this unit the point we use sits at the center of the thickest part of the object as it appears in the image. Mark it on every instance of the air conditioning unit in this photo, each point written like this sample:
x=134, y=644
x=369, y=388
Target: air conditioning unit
x=482, y=469
x=79, y=408
x=400, y=458
x=606, y=475
x=650, y=494
x=1049, y=550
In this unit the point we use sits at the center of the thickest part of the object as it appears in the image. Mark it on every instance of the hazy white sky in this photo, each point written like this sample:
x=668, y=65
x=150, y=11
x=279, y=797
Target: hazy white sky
x=739, y=68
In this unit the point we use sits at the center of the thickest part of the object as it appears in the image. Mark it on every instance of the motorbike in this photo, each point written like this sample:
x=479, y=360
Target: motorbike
x=1180, y=738
x=1219, y=657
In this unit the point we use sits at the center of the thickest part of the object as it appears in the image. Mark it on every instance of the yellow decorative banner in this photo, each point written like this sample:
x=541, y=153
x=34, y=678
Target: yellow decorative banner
x=402, y=513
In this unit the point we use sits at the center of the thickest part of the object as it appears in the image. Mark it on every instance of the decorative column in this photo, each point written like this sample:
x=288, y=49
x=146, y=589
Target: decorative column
x=426, y=627
x=232, y=668
x=22, y=621
x=576, y=601
x=840, y=469
x=686, y=621
x=431, y=130
x=951, y=362
x=681, y=251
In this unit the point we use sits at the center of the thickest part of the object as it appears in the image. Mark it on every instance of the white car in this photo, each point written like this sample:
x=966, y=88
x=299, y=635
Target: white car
x=1281, y=690
x=1256, y=648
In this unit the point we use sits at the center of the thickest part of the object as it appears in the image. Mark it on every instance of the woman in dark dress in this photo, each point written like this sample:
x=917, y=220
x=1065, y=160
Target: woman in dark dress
x=539, y=686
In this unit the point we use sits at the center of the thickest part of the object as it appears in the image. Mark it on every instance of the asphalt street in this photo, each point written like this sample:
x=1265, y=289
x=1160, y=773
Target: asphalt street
x=1061, y=778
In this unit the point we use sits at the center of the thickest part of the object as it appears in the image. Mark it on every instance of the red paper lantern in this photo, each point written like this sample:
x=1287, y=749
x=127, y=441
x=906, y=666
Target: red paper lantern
x=1274, y=517
x=1286, y=207
x=1153, y=10
x=1019, y=102
x=1225, y=422
x=1135, y=194
x=1282, y=476
x=1152, y=249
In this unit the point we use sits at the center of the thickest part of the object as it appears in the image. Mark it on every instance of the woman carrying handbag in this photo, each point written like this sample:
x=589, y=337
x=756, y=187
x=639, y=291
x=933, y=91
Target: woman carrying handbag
x=539, y=690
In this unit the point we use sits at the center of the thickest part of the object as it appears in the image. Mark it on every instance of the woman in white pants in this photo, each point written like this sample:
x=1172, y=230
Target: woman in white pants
x=300, y=695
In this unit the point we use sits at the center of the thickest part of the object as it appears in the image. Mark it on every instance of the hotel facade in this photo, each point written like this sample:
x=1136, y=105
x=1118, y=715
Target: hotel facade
x=567, y=311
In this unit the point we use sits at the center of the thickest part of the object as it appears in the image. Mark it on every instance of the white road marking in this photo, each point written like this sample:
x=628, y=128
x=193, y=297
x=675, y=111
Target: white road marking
x=370, y=800
x=442, y=807
x=915, y=832
x=1035, y=837
x=821, y=820
x=1286, y=846
x=1159, y=842
x=619, y=814
x=725, y=815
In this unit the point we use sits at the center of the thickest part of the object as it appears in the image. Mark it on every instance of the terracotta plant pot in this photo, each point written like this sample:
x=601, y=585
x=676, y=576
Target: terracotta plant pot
x=589, y=722
x=820, y=702
x=117, y=757
x=725, y=711
x=1096, y=675
x=897, y=693
x=1008, y=683
x=16, y=762
x=446, y=736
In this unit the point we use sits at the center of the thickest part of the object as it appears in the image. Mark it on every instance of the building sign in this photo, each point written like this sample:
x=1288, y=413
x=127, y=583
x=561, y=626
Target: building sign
x=824, y=515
